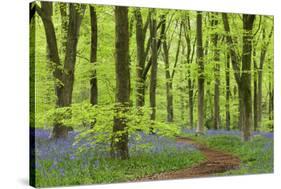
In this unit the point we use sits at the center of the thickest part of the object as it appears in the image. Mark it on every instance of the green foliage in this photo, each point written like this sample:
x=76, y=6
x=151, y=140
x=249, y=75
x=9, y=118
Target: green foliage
x=95, y=122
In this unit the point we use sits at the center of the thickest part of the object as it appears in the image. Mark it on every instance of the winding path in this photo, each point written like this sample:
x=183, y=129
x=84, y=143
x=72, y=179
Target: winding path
x=216, y=162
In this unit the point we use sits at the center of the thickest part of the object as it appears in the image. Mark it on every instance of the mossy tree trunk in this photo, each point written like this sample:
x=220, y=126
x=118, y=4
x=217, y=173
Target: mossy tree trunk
x=119, y=142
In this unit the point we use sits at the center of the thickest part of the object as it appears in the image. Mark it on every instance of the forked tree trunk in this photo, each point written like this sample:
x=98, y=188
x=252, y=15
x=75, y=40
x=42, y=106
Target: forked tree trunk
x=243, y=80
x=63, y=73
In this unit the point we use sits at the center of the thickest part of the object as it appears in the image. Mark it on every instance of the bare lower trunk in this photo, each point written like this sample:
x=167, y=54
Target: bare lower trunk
x=199, y=57
x=93, y=56
x=140, y=38
x=191, y=103
x=245, y=85
x=119, y=142
x=215, y=37
x=256, y=99
x=154, y=65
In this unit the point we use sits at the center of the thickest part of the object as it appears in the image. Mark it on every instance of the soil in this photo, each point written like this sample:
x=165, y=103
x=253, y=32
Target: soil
x=216, y=162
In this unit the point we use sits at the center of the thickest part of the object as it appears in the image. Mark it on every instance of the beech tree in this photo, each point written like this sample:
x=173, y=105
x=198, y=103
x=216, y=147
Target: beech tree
x=93, y=56
x=63, y=72
x=119, y=143
x=200, y=79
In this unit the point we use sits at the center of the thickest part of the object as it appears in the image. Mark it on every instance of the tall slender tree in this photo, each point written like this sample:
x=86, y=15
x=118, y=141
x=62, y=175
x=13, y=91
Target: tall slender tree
x=93, y=56
x=227, y=91
x=200, y=62
x=141, y=29
x=189, y=59
x=266, y=40
x=216, y=57
x=154, y=65
x=119, y=142
x=169, y=74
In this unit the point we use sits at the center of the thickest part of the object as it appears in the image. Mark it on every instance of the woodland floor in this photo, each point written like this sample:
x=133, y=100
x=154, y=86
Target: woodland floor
x=216, y=162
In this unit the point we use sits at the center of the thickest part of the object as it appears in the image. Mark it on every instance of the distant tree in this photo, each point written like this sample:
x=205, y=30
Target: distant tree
x=216, y=58
x=170, y=73
x=189, y=59
x=264, y=47
x=227, y=91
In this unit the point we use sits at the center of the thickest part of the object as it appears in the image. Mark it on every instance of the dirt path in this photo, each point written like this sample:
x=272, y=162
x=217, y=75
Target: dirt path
x=216, y=162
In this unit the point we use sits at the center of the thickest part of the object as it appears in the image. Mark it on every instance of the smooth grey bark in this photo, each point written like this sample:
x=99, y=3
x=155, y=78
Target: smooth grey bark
x=200, y=62
x=119, y=142
x=93, y=56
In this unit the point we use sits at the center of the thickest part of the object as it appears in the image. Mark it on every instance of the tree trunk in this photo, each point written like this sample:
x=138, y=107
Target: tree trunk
x=119, y=142
x=200, y=62
x=64, y=77
x=140, y=59
x=154, y=65
x=260, y=75
x=245, y=85
x=75, y=18
x=45, y=12
x=169, y=95
x=93, y=56
x=189, y=58
x=271, y=103
x=243, y=80
x=255, y=105
x=227, y=89
x=64, y=25
x=215, y=37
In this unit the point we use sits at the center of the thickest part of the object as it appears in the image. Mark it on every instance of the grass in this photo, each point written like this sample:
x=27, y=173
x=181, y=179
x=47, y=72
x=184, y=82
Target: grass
x=256, y=155
x=72, y=172
x=60, y=163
